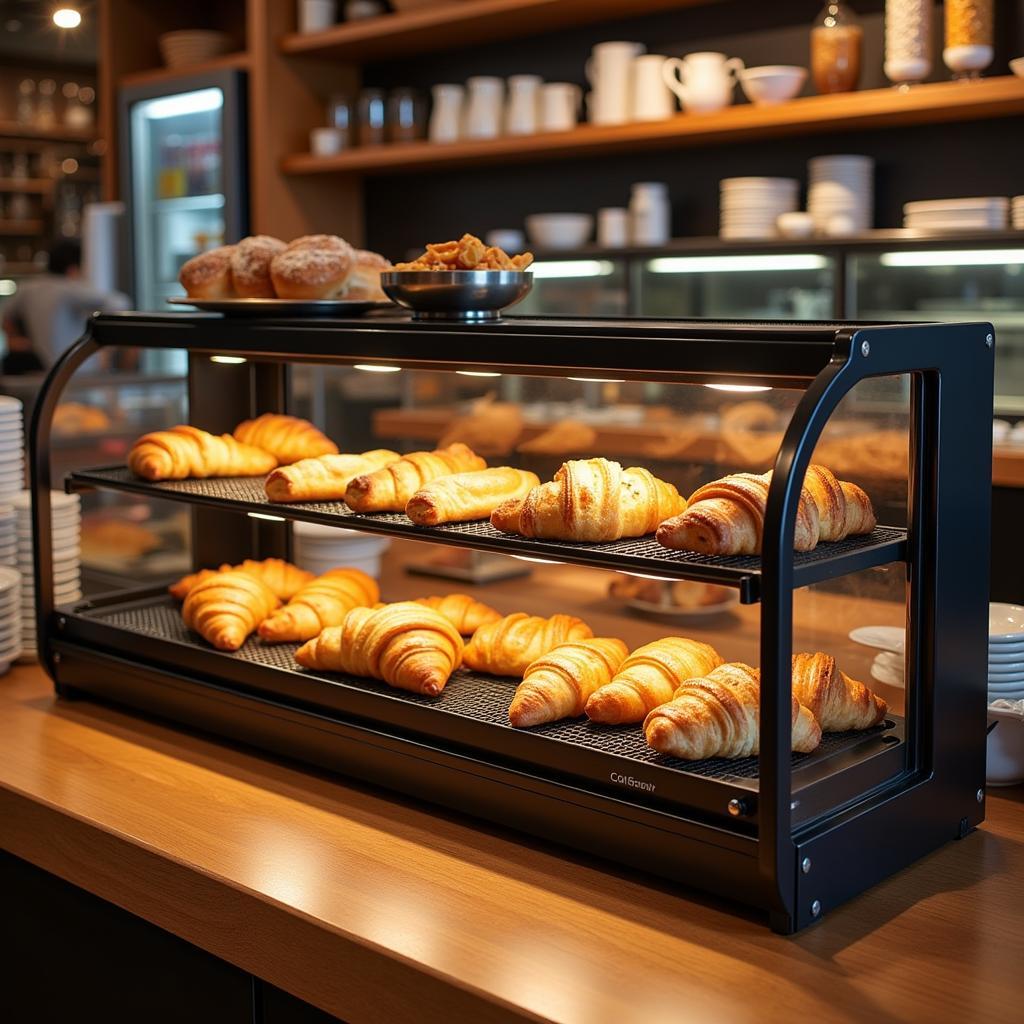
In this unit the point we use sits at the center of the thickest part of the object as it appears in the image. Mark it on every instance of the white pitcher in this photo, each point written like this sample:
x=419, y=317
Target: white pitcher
x=609, y=71
x=559, y=106
x=704, y=82
x=446, y=114
x=651, y=98
x=484, y=107
x=521, y=111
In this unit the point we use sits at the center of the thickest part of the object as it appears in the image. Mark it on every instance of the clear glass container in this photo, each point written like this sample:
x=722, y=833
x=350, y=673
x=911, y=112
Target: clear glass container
x=372, y=118
x=968, y=47
x=836, y=43
x=584, y=287
x=406, y=115
x=908, y=40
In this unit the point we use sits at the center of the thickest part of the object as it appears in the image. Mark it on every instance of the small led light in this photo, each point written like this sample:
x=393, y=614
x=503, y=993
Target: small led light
x=477, y=373
x=648, y=576
x=69, y=166
x=232, y=360
x=374, y=368
x=67, y=17
x=598, y=380
x=738, y=387
x=540, y=561
x=7, y=287
x=263, y=515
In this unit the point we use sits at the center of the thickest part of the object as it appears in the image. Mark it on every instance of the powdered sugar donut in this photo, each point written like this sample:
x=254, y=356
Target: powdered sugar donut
x=250, y=266
x=208, y=275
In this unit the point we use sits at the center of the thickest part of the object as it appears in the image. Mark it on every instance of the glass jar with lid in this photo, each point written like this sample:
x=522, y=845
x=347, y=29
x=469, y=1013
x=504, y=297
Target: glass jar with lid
x=908, y=40
x=372, y=118
x=968, y=50
x=836, y=43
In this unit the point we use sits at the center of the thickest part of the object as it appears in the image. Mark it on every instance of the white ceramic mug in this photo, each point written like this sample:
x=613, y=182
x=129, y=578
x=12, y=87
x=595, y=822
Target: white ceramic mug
x=316, y=15
x=651, y=99
x=610, y=71
x=484, y=107
x=522, y=110
x=446, y=114
x=327, y=141
x=704, y=82
x=559, y=106
x=613, y=227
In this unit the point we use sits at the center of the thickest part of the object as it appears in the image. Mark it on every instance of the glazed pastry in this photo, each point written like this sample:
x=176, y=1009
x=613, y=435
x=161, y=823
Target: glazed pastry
x=283, y=578
x=184, y=452
x=250, y=266
x=649, y=677
x=324, y=478
x=591, y=500
x=389, y=489
x=462, y=497
x=509, y=646
x=726, y=517
x=558, y=684
x=308, y=269
x=838, y=702
x=226, y=607
x=323, y=602
x=465, y=613
x=720, y=716
x=406, y=645
x=287, y=438
x=208, y=275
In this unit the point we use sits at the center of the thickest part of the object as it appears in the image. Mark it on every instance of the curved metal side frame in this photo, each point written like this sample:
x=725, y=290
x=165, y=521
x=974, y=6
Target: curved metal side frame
x=41, y=480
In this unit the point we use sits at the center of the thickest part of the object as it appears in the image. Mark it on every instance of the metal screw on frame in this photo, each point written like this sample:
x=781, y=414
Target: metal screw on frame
x=980, y=796
x=816, y=908
x=865, y=348
x=736, y=807
x=805, y=865
x=989, y=340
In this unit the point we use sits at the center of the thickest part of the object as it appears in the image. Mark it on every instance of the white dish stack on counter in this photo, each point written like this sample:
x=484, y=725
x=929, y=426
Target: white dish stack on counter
x=750, y=207
x=319, y=548
x=67, y=558
x=12, y=448
x=1017, y=212
x=983, y=213
x=10, y=617
x=841, y=194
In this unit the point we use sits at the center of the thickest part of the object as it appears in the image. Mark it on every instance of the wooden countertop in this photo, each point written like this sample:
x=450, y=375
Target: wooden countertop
x=374, y=908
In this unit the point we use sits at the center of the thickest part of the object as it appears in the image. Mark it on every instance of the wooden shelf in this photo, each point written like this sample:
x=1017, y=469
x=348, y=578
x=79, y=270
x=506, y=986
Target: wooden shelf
x=21, y=228
x=12, y=268
x=938, y=102
x=228, y=62
x=26, y=184
x=62, y=133
x=447, y=26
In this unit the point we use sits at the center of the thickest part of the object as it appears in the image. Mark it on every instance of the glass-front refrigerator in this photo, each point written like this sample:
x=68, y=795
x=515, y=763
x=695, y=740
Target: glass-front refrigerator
x=184, y=176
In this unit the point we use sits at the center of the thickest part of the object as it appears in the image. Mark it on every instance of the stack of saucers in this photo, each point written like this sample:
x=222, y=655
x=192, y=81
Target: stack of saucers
x=1005, y=652
x=841, y=194
x=1017, y=212
x=8, y=536
x=12, y=448
x=983, y=213
x=320, y=548
x=10, y=617
x=751, y=206
x=67, y=553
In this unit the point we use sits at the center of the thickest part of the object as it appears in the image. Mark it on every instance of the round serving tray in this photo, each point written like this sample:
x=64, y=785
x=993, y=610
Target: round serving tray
x=282, y=307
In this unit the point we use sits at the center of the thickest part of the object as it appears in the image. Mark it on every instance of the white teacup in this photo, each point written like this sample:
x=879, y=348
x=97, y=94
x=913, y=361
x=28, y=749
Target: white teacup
x=609, y=71
x=559, y=106
x=704, y=82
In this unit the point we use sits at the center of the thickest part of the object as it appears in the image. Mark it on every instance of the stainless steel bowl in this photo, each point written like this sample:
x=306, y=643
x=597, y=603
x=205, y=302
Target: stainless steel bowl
x=456, y=294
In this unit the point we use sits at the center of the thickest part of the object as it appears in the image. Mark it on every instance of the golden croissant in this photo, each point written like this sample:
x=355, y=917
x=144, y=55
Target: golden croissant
x=406, y=645
x=323, y=602
x=226, y=607
x=509, y=646
x=465, y=613
x=324, y=478
x=726, y=517
x=720, y=716
x=591, y=500
x=389, y=489
x=649, y=677
x=283, y=578
x=287, y=438
x=462, y=497
x=558, y=684
x=184, y=452
x=838, y=702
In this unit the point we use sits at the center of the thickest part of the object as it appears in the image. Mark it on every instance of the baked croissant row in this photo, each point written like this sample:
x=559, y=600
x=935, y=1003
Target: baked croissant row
x=720, y=716
x=323, y=602
x=838, y=702
x=325, y=478
x=465, y=613
x=184, y=452
x=406, y=645
x=287, y=438
x=559, y=683
x=283, y=578
x=462, y=497
x=591, y=500
x=389, y=489
x=649, y=677
x=726, y=517
x=508, y=647
x=227, y=606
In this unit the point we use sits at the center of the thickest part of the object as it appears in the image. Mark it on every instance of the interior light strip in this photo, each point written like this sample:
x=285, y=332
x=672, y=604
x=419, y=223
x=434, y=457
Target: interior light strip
x=738, y=387
x=230, y=360
x=184, y=103
x=477, y=373
x=571, y=268
x=375, y=368
x=263, y=515
x=736, y=264
x=953, y=258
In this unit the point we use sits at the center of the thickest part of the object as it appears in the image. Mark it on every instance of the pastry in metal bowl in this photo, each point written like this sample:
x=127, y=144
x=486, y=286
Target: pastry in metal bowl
x=471, y=295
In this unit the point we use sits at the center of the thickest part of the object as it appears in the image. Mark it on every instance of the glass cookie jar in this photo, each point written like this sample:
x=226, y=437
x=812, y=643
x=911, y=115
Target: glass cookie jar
x=968, y=49
x=836, y=44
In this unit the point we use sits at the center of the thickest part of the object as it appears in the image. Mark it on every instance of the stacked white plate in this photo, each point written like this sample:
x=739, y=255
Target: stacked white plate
x=1017, y=212
x=12, y=448
x=1005, y=652
x=841, y=194
x=8, y=536
x=751, y=206
x=67, y=554
x=10, y=617
x=319, y=549
x=983, y=213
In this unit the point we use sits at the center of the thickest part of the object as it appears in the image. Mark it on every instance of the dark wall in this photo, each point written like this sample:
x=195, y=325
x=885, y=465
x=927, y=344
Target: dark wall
x=928, y=162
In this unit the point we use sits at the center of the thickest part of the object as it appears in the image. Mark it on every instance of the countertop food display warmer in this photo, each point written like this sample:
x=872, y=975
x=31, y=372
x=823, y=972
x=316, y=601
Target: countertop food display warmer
x=792, y=834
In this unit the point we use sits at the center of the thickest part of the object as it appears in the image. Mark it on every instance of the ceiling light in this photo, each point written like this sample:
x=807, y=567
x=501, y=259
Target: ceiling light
x=374, y=368
x=738, y=387
x=66, y=17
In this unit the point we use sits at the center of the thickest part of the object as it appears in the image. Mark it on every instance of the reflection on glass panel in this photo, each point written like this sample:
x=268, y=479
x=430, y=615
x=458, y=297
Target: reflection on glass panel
x=952, y=285
x=753, y=286
x=576, y=288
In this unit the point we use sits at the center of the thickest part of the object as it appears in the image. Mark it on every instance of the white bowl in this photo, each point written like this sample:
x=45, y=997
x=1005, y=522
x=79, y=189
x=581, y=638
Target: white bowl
x=795, y=224
x=559, y=230
x=1005, y=623
x=1005, y=748
x=773, y=83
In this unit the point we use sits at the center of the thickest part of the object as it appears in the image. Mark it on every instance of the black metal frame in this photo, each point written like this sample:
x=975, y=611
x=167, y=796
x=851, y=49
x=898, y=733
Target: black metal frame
x=763, y=847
